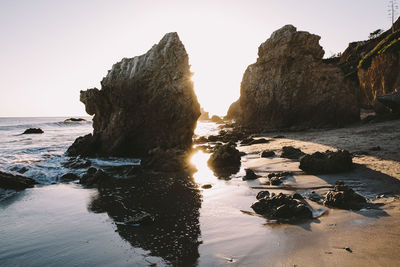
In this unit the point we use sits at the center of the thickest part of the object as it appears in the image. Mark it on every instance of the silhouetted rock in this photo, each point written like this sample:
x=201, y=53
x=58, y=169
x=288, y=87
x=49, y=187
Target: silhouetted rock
x=250, y=175
x=145, y=102
x=344, y=197
x=204, y=115
x=169, y=160
x=327, y=162
x=225, y=160
x=33, y=131
x=234, y=111
x=77, y=163
x=216, y=119
x=69, y=177
x=290, y=152
x=16, y=182
x=267, y=154
x=94, y=177
x=391, y=100
x=74, y=120
x=281, y=207
x=291, y=85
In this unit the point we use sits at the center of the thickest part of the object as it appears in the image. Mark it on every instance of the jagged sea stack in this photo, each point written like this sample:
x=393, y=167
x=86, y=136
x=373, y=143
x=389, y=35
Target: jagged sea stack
x=290, y=85
x=145, y=102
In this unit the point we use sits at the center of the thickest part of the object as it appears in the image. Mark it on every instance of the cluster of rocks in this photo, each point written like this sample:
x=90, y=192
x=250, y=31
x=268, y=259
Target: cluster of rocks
x=15, y=182
x=281, y=207
x=278, y=177
x=327, y=162
x=344, y=197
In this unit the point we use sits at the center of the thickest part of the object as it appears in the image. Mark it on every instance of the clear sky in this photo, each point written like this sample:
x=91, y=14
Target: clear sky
x=52, y=49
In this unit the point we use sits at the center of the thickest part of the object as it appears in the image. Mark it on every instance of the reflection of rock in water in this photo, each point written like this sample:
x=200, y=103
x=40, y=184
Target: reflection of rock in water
x=159, y=214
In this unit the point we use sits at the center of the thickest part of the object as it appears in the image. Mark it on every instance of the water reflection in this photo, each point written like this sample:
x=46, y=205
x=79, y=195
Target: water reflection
x=159, y=213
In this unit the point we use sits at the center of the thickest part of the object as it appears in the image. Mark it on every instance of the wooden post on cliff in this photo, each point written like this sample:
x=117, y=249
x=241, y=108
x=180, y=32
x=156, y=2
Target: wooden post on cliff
x=393, y=6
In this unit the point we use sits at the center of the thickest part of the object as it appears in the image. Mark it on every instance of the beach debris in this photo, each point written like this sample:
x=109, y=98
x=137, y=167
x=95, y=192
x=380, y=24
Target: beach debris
x=16, y=182
x=290, y=152
x=281, y=207
x=327, y=162
x=344, y=197
x=267, y=154
x=250, y=175
x=69, y=177
x=225, y=159
x=33, y=131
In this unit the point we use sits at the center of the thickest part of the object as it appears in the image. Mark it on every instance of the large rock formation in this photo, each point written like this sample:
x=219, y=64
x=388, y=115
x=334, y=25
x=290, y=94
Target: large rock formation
x=145, y=102
x=291, y=85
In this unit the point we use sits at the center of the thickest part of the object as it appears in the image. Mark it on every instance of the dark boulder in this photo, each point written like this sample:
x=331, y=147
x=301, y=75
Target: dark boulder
x=16, y=182
x=169, y=160
x=262, y=194
x=225, y=160
x=391, y=100
x=94, y=177
x=33, y=131
x=267, y=154
x=281, y=207
x=69, y=177
x=290, y=152
x=344, y=197
x=145, y=102
x=327, y=162
x=250, y=175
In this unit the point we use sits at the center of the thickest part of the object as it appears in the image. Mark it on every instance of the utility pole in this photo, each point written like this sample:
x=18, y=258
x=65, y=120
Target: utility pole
x=393, y=7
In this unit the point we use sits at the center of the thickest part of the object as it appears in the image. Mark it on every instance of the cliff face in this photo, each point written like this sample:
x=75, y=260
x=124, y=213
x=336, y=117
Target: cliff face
x=291, y=85
x=145, y=102
x=374, y=66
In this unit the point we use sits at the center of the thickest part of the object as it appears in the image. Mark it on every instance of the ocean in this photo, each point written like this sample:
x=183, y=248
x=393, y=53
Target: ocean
x=65, y=224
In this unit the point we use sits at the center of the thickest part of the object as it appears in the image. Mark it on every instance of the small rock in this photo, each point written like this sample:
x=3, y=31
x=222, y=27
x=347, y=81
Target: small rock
x=290, y=152
x=375, y=148
x=225, y=157
x=250, y=175
x=16, y=182
x=297, y=196
x=74, y=120
x=267, y=154
x=275, y=181
x=262, y=194
x=69, y=177
x=279, y=136
x=260, y=141
x=33, y=131
x=206, y=186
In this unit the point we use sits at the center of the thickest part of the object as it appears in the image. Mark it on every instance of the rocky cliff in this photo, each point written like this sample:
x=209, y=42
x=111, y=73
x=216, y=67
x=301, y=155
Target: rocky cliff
x=374, y=66
x=145, y=102
x=291, y=85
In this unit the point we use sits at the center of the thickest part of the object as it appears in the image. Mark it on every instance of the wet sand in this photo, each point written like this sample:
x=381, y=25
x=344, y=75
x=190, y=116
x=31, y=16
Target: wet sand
x=57, y=225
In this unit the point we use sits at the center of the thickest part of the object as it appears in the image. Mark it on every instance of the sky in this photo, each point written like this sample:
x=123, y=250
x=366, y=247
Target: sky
x=52, y=49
